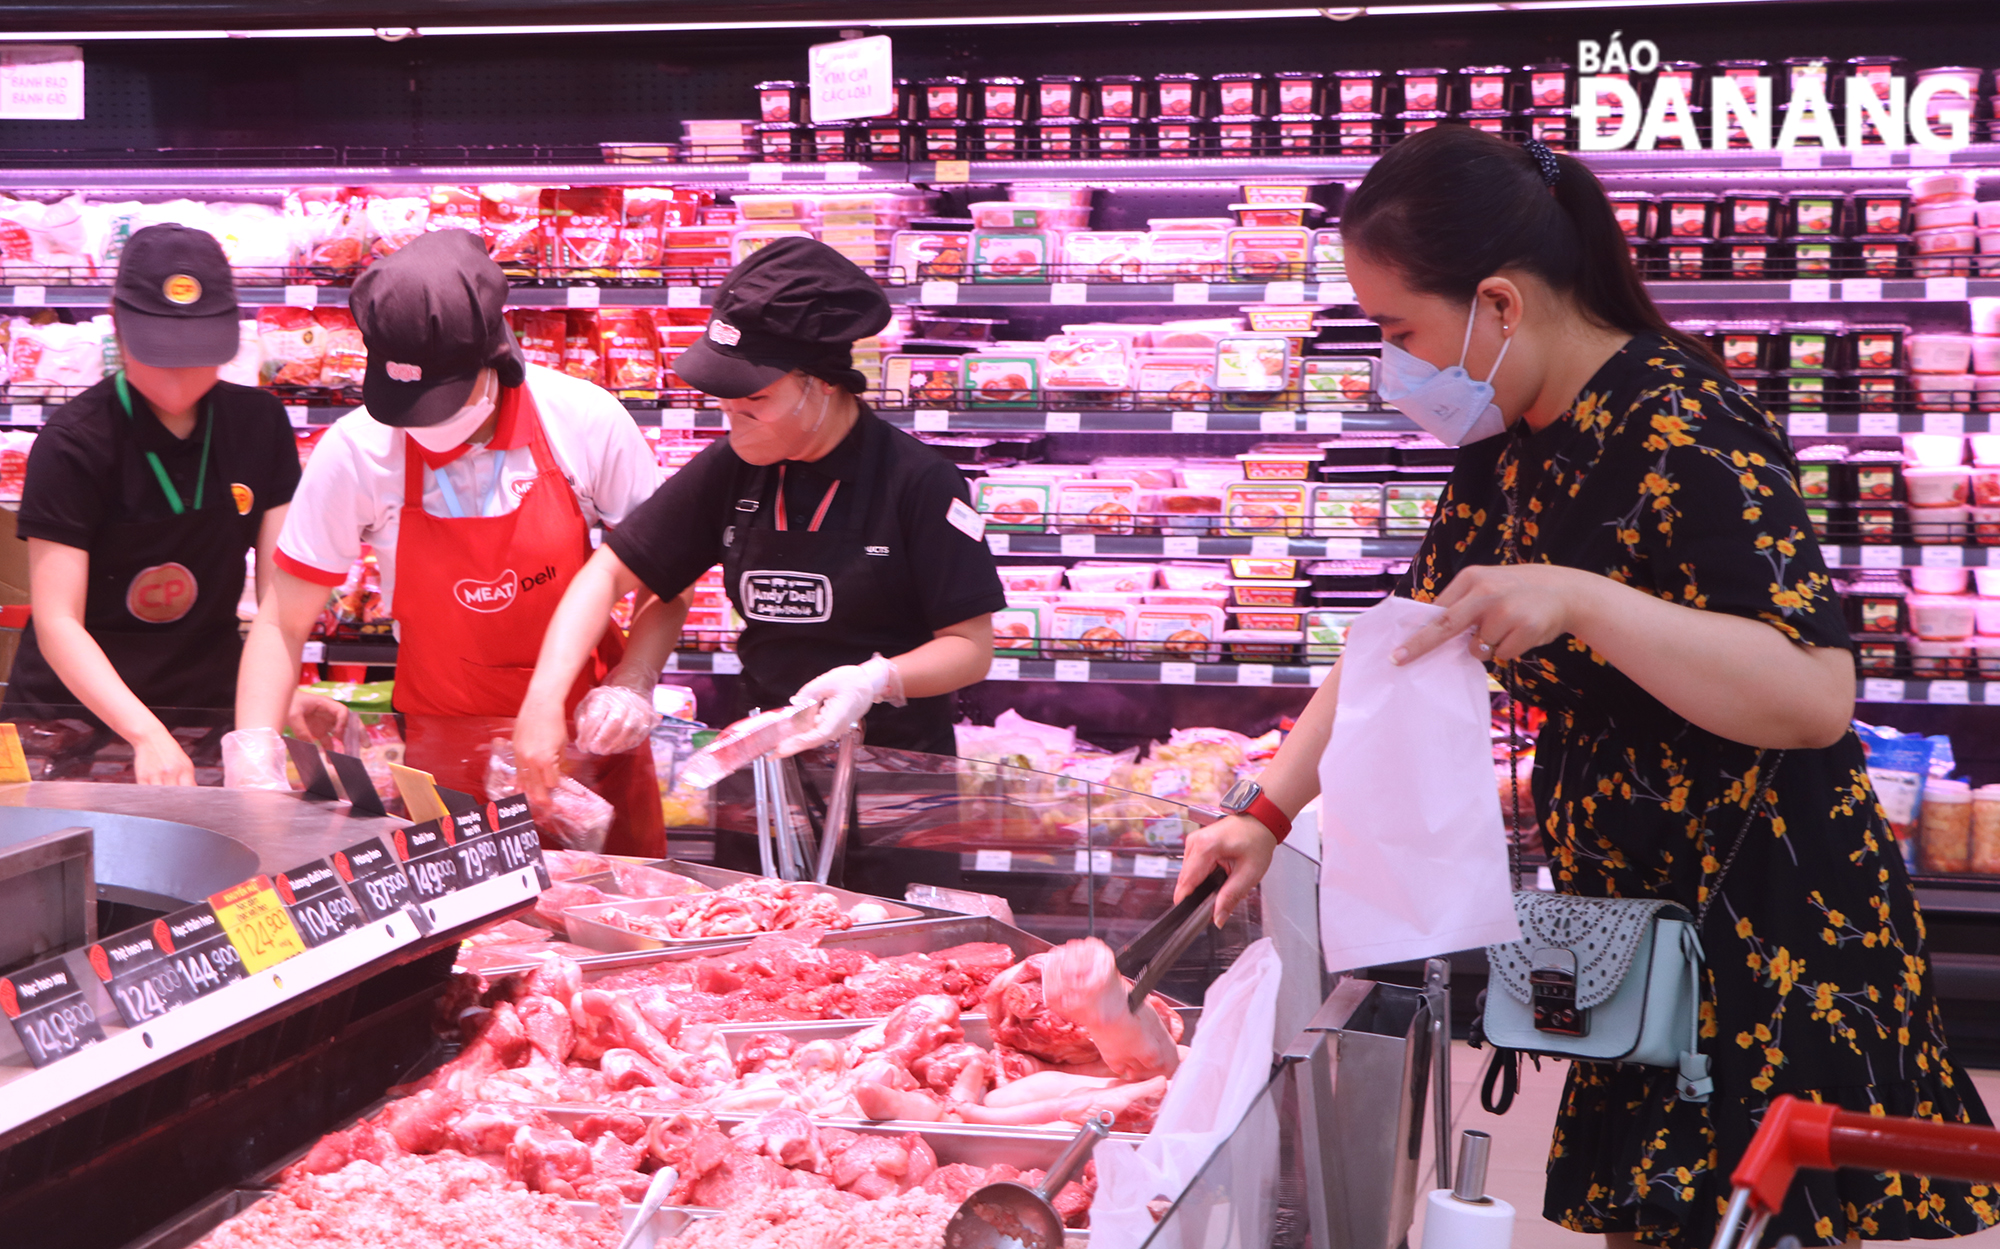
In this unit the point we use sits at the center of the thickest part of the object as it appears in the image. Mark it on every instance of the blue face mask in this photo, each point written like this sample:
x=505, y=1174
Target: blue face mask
x=1446, y=403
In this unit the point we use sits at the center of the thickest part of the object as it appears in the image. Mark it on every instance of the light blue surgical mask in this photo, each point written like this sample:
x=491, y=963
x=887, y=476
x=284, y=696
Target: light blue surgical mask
x=1446, y=403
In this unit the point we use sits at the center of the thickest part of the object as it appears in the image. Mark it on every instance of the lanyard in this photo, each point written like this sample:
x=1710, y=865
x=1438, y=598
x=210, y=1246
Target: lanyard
x=826, y=501
x=453, y=507
x=159, y=470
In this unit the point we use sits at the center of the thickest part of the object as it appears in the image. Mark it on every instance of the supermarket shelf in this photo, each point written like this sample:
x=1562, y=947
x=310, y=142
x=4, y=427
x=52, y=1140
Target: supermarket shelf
x=1086, y=545
x=1823, y=291
x=1071, y=863
x=1147, y=421
x=1889, y=424
x=1883, y=555
x=1974, y=895
x=281, y=177
x=1935, y=693
x=1099, y=671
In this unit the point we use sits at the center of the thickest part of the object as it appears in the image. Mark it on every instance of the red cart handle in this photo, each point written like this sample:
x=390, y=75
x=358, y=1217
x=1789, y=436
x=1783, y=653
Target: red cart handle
x=1798, y=1134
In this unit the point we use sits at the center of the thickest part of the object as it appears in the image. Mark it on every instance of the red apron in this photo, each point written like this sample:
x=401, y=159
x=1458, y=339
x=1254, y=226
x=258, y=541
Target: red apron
x=474, y=595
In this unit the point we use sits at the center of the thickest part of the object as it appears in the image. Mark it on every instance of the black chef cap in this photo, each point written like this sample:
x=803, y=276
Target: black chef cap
x=796, y=304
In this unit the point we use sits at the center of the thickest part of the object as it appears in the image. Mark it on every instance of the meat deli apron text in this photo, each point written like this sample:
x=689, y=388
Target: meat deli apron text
x=474, y=595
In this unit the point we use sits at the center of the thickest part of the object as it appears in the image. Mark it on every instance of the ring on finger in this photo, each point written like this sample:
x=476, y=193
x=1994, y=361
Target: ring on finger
x=1485, y=647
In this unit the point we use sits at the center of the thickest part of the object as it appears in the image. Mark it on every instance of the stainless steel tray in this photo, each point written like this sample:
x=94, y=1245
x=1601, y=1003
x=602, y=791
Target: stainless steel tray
x=917, y=936
x=1028, y=1148
x=736, y=1035
x=591, y=926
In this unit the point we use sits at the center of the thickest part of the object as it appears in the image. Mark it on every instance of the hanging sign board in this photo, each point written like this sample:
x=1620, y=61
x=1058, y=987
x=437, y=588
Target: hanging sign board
x=852, y=78
x=41, y=82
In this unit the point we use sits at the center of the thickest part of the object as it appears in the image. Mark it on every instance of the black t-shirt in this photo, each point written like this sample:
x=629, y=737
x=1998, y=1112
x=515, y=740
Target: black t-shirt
x=672, y=538
x=88, y=468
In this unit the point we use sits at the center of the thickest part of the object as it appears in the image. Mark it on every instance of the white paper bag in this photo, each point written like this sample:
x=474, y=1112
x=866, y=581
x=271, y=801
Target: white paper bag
x=1413, y=855
x=1228, y=1066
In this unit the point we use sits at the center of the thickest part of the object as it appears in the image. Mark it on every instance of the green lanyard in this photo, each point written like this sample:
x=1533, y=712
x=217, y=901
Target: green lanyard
x=159, y=470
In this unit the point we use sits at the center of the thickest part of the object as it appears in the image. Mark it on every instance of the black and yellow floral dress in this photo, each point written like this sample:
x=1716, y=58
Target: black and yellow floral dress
x=1666, y=477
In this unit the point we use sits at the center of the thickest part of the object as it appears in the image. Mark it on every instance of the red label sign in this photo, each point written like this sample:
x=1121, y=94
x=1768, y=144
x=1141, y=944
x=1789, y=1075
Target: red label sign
x=488, y=596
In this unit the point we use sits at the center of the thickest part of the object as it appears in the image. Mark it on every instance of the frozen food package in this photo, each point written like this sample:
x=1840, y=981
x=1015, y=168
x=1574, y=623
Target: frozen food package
x=583, y=350
x=541, y=333
x=394, y=219
x=588, y=221
x=345, y=357
x=244, y=368
x=329, y=230
x=294, y=345
x=1086, y=362
x=630, y=347
x=454, y=208
x=510, y=219
x=743, y=742
x=256, y=238
x=648, y=211
x=42, y=242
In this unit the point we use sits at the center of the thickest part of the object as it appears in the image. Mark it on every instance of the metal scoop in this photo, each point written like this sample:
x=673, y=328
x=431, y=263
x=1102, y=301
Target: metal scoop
x=1008, y=1215
x=656, y=1196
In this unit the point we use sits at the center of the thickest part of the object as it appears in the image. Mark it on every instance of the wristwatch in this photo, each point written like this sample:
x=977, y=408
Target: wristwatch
x=1247, y=797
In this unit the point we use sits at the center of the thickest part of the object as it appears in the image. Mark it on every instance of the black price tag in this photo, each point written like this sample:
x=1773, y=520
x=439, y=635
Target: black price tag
x=430, y=858
x=319, y=904
x=47, y=1008
x=514, y=829
x=198, y=947
x=375, y=879
x=143, y=981
x=478, y=852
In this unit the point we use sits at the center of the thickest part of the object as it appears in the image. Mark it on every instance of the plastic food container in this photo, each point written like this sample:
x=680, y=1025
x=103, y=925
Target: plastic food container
x=1278, y=594
x=997, y=381
x=1811, y=346
x=1250, y=509
x=778, y=140
x=1942, y=392
x=1934, y=450
x=1875, y=477
x=1329, y=254
x=1986, y=616
x=1256, y=363
x=1028, y=578
x=1239, y=133
x=1176, y=632
x=1261, y=645
x=1948, y=241
x=1945, y=661
x=1986, y=356
x=1178, y=95
x=885, y=138
x=1809, y=255
x=1015, y=507
x=1194, y=576
x=1941, y=186
x=1111, y=578
x=1359, y=91
x=1880, y=657
x=1418, y=122
x=1817, y=476
x=1491, y=123
x=1689, y=214
x=1003, y=98
x=1944, y=830
x=1060, y=96
x=1096, y=629
x=1278, y=465
x=1337, y=381
x=1745, y=344
x=1284, y=619
x=1187, y=254
x=1096, y=505
x=1551, y=84
x=1484, y=88
x=1407, y=507
x=1262, y=255
x=1955, y=212
x=1298, y=90
x=922, y=380
x=1637, y=213
x=1326, y=634
x=1176, y=136
x=1752, y=261
x=1360, y=133
x=1056, y=139
x=1426, y=90
x=1815, y=213
x=1011, y=255
x=1877, y=606
x=1000, y=139
x=1086, y=362
x=1017, y=629
x=1882, y=212
x=1936, y=487
x=1121, y=95
x=1940, y=580
x=1885, y=256
x=1875, y=347
x=1239, y=94
x=1686, y=260
x=1808, y=392
x=1940, y=526
x=1985, y=486
x=1752, y=213
x=1262, y=568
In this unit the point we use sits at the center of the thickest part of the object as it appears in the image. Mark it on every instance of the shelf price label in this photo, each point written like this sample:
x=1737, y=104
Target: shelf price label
x=683, y=297
x=1284, y=292
x=1324, y=422
x=514, y=833
x=1062, y=422
x=1881, y=690
x=1811, y=290
x=1872, y=156
x=31, y=297
x=1190, y=422
x=938, y=291
x=1004, y=670
x=1254, y=674
x=375, y=879
x=1861, y=290
x=1093, y=863
x=1153, y=866
x=953, y=171
x=728, y=663
x=1270, y=546
x=1945, y=288
x=1180, y=548
x=1942, y=556
x=1278, y=422
x=999, y=543
x=931, y=420
x=1336, y=293
x=199, y=948
x=1072, y=670
x=1082, y=545
x=1879, y=424
x=1879, y=556
x=1806, y=423
x=1190, y=292
x=313, y=653
x=319, y=904
x=49, y=1012
x=25, y=413
x=1800, y=158
x=1177, y=674
x=428, y=856
x=1953, y=693
x=298, y=415
x=1944, y=423
x=584, y=297
x=1069, y=293
x=301, y=296
x=1319, y=673
x=142, y=980
x=478, y=852
x=842, y=171
x=254, y=917
x=1924, y=157
x=993, y=861
x=1343, y=548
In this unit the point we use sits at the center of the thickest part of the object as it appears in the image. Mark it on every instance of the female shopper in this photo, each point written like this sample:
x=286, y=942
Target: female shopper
x=142, y=496
x=1623, y=539
x=477, y=478
x=848, y=546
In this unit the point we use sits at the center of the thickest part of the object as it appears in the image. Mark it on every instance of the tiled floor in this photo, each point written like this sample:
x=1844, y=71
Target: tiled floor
x=1521, y=1144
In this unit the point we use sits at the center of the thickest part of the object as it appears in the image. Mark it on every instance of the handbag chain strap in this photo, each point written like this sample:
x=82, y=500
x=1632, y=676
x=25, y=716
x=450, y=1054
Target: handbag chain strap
x=1514, y=739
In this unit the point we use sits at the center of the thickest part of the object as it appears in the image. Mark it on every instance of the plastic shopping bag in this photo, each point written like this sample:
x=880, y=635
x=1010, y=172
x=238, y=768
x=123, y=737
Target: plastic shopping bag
x=575, y=817
x=1413, y=856
x=1228, y=1066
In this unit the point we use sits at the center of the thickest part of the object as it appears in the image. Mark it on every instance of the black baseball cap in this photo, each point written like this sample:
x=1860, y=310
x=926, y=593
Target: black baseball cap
x=174, y=301
x=795, y=304
x=431, y=315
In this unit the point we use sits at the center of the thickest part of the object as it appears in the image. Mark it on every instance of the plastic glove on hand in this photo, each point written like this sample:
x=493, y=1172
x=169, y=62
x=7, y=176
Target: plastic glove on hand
x=612, y=719
x=842, y=696
x=254, y=759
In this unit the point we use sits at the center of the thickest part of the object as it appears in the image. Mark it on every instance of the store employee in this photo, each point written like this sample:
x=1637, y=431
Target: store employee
x=848, y=546
x=477, y=478
x=142, y=496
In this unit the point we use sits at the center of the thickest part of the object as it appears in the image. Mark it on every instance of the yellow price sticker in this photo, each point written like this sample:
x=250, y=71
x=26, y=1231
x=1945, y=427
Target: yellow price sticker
x=954, y=171
x=257, y=923
x=13, y=763
x=420, y=795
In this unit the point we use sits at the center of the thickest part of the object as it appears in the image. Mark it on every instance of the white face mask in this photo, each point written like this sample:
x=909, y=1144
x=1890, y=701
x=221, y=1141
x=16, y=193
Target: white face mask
x=1446, y=403
x=456, y=428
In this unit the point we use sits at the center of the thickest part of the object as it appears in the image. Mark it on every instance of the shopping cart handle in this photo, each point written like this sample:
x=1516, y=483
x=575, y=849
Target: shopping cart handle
x=1798, y=1134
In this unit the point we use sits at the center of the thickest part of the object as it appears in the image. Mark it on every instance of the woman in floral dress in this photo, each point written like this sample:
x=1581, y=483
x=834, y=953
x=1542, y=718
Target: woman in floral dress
x=1631, y=553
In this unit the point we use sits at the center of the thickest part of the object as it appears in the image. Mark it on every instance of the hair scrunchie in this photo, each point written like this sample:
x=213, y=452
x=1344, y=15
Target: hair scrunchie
x=1545, y=159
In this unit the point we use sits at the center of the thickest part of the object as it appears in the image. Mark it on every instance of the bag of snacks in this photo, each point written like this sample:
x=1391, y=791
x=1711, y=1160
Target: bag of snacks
x=454, y=208
x=583, y=351
x=588, y=222
x=1898, y=765
x=511, y=220
x=629, y=347
x=541, y=333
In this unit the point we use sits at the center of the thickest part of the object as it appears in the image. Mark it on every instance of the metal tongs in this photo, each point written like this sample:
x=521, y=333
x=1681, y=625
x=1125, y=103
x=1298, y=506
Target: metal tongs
x=785, y=843
x=1153, y=951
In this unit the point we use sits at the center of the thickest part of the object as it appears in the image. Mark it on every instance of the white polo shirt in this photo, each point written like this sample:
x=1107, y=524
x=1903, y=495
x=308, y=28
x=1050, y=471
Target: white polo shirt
x=353, y=486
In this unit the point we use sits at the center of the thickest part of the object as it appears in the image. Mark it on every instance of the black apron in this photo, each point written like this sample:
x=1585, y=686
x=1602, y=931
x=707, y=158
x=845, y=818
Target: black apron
x=161, y=603
x=815, y=600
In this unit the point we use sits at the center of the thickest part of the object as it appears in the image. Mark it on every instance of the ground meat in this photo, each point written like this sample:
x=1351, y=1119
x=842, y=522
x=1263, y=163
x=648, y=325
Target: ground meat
x=818, y=1219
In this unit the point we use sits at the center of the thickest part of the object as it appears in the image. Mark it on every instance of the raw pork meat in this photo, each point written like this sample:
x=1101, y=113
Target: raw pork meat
x=1022, y=1020
x=738, y=910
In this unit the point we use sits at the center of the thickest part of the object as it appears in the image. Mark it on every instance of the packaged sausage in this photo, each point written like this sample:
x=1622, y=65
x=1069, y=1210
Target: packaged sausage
x=1011, y=255
x=1176, y=632
x=346, y=357
x=1098, y=629
x=510, y=219
x=294, y=346
x=541, y=332
x=921, y=381
x=997, y=381
x=648, y=211
x=583, y=351
x=1017, y=628
x=1096, y=505
x=630, y=349
x=1013, y=506
x=1252, y=509
x=329, y=234
x=587, y=225
x=394, y=219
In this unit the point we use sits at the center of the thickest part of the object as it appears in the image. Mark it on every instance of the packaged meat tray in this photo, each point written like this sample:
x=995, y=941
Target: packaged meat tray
x=1017, y=629
x=1096, y=629
x=1105, y=255
x=1011, y=255
x=997, y=381
x=726, y=915
x=1013, y=506
x=1256, y=363
x=1250, y=510
x=1181, y=632
x=1097, y=505
x=1337, y=381
x=920, y=255
x=1263, y=255
x=1080, y=362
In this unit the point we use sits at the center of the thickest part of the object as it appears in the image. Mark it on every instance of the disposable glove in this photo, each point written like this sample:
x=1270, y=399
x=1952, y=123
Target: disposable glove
x=842, y=696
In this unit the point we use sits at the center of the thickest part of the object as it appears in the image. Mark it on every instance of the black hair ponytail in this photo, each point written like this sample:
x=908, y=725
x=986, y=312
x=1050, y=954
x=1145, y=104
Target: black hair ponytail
x=1452, y=206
